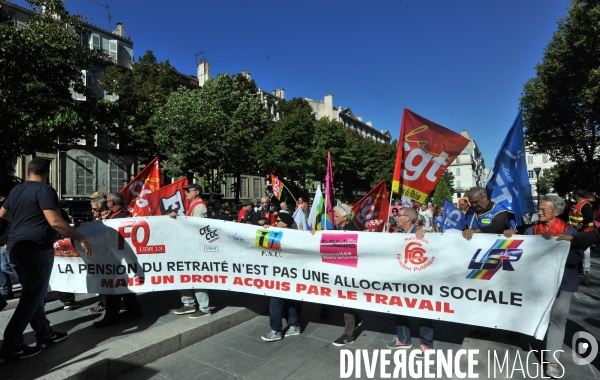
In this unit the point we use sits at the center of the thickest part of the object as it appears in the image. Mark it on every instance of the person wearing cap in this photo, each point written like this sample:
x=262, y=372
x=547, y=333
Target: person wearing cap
x=245, y=214
x=98, y=194
x=279, y=307
x=195, y=301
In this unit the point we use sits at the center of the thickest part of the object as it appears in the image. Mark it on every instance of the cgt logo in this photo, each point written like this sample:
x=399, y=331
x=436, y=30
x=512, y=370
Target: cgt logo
x=502, y=254
x=138, y=228
x=413, y=256
x=270, y=240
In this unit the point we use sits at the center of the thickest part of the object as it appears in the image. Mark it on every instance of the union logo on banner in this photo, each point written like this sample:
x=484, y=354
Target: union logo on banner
x=340, y=249
x=415, y=254
x=501, y=255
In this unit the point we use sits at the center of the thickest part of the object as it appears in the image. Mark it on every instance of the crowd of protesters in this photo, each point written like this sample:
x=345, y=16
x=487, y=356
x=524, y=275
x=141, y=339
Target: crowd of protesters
x=31, y=221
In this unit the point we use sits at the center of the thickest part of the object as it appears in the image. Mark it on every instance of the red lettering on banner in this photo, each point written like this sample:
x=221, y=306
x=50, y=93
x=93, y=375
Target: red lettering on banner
x=425, y=304
x=165, y=279
x=351, y=295
x=381, y=298
x=260, y=283
x=412, y=303
x=141, y=246
x=121, y=282
x=207, y=278
x=395, y=300
x=322, y=291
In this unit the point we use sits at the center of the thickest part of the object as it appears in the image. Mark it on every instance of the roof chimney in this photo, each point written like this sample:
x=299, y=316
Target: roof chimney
x=280, y=93
x=120, y=31
x=203, y=72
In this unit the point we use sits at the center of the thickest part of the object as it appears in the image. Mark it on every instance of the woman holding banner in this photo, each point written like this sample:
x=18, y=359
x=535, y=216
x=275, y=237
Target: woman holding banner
x=548, y=226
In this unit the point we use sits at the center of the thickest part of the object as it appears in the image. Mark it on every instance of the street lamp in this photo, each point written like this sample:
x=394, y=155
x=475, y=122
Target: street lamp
x=537, y=183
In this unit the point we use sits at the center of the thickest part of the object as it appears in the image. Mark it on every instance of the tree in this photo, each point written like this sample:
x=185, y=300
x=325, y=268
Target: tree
x=441, y=193
x=39, y=66
x=211, y=128
x=142, y=91
x=448, y=177
x=286, y=148
x=562, y=103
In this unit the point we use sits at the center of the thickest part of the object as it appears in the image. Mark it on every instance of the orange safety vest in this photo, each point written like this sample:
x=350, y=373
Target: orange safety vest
x=575, y=216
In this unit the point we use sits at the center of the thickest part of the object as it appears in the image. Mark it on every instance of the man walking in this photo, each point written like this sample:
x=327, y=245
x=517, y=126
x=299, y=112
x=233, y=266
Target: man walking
x=195, y=301
x=34, y=210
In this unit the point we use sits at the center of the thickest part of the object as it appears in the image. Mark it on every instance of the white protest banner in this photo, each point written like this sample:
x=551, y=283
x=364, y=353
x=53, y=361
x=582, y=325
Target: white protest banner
x=489, y=281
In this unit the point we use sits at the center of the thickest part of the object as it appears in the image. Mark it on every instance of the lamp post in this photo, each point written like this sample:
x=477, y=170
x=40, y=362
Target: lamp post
x=537, y=184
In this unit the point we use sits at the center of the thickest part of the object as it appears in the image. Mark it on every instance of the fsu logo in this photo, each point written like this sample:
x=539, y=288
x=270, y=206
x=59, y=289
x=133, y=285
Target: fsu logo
x=415, y=255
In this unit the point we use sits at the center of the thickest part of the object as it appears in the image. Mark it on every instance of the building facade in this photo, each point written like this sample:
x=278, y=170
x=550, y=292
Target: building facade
x=325, y=108
x=468, y=168
x=89, y=164
x=539, y=163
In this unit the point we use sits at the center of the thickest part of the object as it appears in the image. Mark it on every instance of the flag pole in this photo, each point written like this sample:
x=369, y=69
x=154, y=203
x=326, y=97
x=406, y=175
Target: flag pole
x=398, y=162
x=292, y=195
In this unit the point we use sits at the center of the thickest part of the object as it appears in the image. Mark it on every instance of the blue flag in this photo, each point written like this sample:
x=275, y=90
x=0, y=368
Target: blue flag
x=508, y=180
x=453, y=218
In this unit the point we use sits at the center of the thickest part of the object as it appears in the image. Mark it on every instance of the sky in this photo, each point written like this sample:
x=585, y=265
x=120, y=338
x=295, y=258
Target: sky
x=459, y=63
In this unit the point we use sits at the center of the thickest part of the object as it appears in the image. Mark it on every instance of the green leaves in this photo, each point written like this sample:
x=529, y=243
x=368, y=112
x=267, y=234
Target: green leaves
x=562, y=103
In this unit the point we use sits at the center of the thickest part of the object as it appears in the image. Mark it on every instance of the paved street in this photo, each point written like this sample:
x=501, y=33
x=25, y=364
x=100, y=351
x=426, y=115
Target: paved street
x=240, y=353
x=227, y=344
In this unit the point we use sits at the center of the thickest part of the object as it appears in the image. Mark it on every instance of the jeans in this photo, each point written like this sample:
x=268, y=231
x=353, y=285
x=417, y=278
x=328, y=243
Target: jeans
x=5, y=283
x=425, y=330
x=197, y=298
x=5, y=264
x=287, y=309
x=33, y=269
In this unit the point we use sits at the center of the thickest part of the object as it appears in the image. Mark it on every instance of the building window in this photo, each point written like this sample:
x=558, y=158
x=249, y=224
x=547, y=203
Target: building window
x=256, y=185
x=457, y=171
x=458, y=186
x=85, y=175
x=545, y=158
x=118, y=175
x=529, y=159
x=13, y=17
x=458, y=160
x=244, y=187
x=530, y=173
x=228, y=188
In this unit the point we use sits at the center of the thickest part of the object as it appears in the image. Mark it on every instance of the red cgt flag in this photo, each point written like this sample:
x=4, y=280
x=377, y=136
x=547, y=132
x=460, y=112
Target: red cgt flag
x=372, y=211
x=425, y=149
x=162, y=202
x=146, y=182
x=277, y=186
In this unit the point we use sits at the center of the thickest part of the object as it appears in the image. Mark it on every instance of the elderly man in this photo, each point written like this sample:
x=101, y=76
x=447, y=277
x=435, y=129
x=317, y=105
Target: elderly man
x=195, y=301
x=343, y=222
x=34, y=210
x=406, y=221
x=283, y=207
x=548, y=226
x=264, y=217
x=485, y=216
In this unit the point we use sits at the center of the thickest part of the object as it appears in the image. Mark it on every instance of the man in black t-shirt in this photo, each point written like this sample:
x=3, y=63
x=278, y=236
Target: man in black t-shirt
x=34, y=210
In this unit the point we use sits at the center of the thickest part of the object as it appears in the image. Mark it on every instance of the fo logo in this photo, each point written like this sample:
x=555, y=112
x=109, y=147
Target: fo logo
x=268, y=239
x=416, y=255
x=584, y=343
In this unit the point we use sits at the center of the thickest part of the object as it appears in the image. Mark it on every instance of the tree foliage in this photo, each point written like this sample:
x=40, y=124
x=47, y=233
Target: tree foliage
x=211, y=128
x=562, y=103
x=39, y=65
x=142, y=91
x=441, y=193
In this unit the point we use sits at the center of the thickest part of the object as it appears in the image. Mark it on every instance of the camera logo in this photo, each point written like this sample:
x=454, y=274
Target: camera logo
x=584, y=343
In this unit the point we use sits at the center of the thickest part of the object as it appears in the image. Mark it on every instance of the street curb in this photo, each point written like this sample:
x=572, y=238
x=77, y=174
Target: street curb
x=112, y=360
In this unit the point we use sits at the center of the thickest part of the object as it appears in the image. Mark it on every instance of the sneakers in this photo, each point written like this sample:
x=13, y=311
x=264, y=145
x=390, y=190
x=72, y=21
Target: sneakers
x=421, y=353
x=293, y=331
x=272, y=336
x=21, y=352
x=343, y=340
x=53, y=339
x=199, y=314
x=553, y=371
x=99, y=308
x=395, y=344
x=185, y=310
x=71, y=305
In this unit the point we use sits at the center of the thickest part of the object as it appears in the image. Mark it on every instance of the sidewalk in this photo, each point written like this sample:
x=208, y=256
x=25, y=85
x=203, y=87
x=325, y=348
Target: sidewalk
x=240, y=353
x=107, y=353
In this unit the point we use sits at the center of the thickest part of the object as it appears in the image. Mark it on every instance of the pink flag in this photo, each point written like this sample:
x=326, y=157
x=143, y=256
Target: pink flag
x=329, y=191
